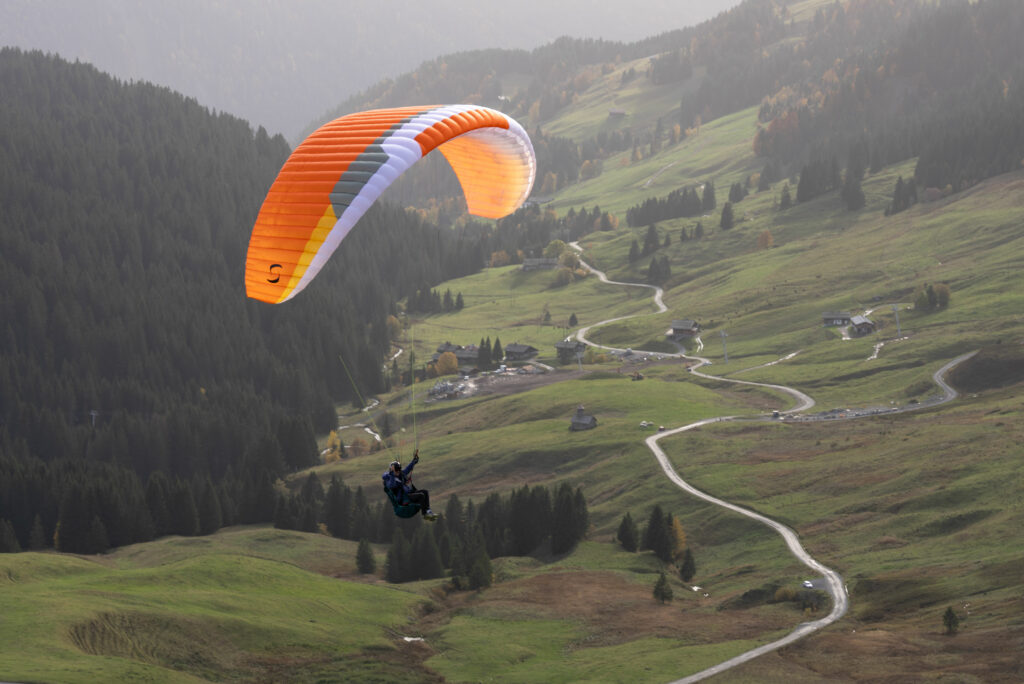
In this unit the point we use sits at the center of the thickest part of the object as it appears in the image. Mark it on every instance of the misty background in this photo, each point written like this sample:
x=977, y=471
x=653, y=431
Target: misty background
x=282, y=64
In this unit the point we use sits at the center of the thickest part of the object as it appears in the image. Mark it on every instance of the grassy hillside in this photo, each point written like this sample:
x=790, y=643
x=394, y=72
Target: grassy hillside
x=919, y=511
x=243, y=604
x=915, y=510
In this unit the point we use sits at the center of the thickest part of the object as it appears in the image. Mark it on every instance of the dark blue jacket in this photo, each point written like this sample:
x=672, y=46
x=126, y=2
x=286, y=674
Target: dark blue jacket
x=399, y=485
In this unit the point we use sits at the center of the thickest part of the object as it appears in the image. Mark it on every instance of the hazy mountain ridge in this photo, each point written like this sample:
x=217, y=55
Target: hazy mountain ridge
x=279, y=64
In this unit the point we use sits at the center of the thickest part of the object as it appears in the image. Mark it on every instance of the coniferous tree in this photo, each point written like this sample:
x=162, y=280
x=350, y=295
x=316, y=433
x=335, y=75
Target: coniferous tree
x=425, y=556
x=634, y=251
x=8, y=540
x=662, y=589
x=366, y=564
x=497, y=353
x=708, y=201
x=627, y=534
x=688, y=568
x=573, y=321
x=37, y=537
x=337, y=508
x=786, y=201
x=184, y=514
x=209, y=511
x=397, y=565
x=951, y=621
x=650, y=240
x=96, y=540
x=158, y=498
x=727, y=218
x=852, y=193
x=73, y=523
x=481, y=573
x=284, y=518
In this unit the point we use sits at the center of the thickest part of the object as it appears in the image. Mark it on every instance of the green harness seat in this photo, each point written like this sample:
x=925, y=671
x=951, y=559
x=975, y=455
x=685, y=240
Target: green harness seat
x=402, y=510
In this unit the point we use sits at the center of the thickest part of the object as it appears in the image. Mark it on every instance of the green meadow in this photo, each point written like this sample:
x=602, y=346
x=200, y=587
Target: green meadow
x=238, y=605
x=918, y=511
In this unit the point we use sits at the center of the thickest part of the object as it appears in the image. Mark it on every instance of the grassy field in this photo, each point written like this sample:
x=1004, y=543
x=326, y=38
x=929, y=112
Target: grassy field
x=919, y=511
x=243, y=604
x=914, y=509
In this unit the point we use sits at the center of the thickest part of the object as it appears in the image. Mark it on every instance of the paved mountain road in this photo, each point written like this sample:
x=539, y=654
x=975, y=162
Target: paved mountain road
x=834, y=582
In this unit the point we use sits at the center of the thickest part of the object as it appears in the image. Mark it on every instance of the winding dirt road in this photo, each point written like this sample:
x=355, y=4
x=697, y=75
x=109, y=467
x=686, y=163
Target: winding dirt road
x=834, y=582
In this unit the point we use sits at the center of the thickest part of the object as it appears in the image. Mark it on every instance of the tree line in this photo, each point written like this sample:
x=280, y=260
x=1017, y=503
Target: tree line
x=682, y=202
x=466, y=537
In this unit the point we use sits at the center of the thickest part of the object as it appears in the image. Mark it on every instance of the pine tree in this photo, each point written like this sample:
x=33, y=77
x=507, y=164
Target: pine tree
x=573, y=321
x=655, y=527
x=209, y=513
x=337, y=508
x=497, y=353
x=283, y=518
x=158, y=499
x=37, y=537
x=651, y=241
x=662, y=589
x=366, y=564
x=852, y=193
x=563, y=534
x=727, y=218
x=634, y=251
x=8, y=539
x=481, y=574
x=97, y=540
x=627, y=534
x=787, y=201
x=184, y=514
x=425, y=558
x=708, y=201
x=688, y=568
x=397, y=564
x=950, y=621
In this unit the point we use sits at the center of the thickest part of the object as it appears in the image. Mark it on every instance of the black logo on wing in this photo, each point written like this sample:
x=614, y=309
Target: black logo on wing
x=276, y=276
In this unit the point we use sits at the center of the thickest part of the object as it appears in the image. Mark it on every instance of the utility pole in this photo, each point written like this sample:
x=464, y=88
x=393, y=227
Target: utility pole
x=896, y=310
x=725, y=350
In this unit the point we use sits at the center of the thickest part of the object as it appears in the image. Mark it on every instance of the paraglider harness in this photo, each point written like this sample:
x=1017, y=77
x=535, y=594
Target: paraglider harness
x=402, y=510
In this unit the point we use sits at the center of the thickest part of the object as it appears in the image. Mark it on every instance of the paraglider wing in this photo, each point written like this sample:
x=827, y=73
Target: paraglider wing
x=335, y=174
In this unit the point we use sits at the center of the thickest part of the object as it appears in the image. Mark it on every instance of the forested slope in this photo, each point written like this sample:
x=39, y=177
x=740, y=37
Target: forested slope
x=127, y=346
x=867, y=84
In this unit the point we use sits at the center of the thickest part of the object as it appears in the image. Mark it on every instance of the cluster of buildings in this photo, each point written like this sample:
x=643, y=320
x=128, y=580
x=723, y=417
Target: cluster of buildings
x=860, y=325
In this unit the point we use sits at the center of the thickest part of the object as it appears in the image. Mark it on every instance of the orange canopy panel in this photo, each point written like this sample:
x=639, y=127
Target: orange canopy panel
x=335, y=174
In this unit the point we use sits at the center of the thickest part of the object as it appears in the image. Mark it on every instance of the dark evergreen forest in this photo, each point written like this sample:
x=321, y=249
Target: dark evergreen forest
x=138, y=385
x=127, y=346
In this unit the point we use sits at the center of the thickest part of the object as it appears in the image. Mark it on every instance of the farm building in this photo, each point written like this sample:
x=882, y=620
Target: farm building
x=568, y=349
x=684, y=327
x=862, y=325
x=467, y=356
x=582, y=421
x=836, y=318
x=519, y=352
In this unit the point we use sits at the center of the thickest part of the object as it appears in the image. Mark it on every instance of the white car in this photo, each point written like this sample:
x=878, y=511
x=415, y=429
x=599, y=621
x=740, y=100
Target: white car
x=808, y=584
